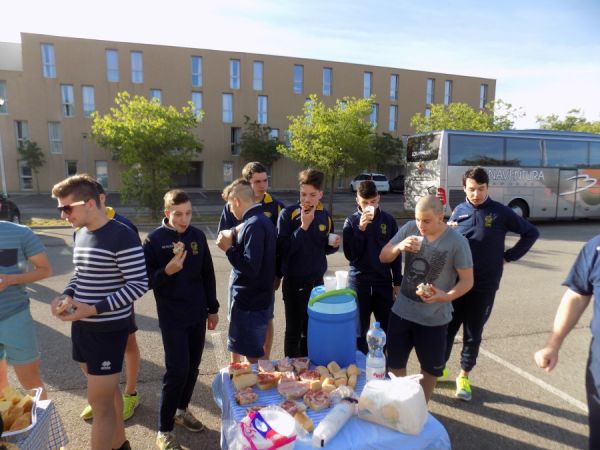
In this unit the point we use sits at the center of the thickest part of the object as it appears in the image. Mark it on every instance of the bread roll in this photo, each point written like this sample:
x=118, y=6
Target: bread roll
x=352, y=379
x=333, y=367
x=244, y=380
x=353, y=370
x=305, y=421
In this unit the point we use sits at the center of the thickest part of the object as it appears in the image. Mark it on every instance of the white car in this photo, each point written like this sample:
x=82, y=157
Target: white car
x=381, y=182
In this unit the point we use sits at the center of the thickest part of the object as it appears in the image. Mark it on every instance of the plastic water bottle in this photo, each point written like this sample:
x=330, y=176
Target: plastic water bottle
x=375, y=358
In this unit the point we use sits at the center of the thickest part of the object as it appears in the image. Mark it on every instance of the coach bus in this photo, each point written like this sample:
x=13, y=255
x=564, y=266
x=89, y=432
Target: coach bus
x=540, y=174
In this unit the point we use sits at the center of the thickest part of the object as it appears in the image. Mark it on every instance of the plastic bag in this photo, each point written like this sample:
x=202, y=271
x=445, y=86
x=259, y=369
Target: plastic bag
x=269, y=428
x=397, y=403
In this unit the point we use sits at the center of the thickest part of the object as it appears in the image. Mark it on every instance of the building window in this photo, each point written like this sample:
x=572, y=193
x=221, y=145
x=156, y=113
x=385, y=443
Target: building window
x=112, y=66
x=68, y=100
x=236, y=140
x=25, y=176
x=298, y=79
x=327, y=80
x=197, y=101
x=157, y=94
x=447, y=92
x=393, y=118
x=3, y=98
x=262, y=116
x=196, y=71
x=374, y=115
x=21, y=132
x=48, y=64
x=430, y=89
x=137, y=68
x=54, y=138
x=393, y=87
x=88, y=99
x=227, y=108
x=70, y=168
x=257, y=75
x=234, y=73
x=274, y=134
x=428, y=112
x=367, y=84
x=102, y=173
x=227, y=172
x=483, y=95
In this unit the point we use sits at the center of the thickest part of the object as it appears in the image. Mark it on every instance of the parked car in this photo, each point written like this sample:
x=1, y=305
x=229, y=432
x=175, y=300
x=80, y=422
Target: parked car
x=9, y=211
x=397, y=184
x=381, y=181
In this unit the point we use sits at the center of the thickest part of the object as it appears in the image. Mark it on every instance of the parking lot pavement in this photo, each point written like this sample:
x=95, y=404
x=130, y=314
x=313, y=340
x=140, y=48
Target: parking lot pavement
x=515, y=404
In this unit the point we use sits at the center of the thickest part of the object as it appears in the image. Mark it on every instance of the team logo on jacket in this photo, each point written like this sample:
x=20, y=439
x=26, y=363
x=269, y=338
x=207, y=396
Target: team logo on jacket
x=489, y=219
x=194, y=246
x=322, y=227
x=383, y=227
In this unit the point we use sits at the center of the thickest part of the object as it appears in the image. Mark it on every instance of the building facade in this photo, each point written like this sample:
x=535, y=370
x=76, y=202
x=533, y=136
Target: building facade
x=49, y=85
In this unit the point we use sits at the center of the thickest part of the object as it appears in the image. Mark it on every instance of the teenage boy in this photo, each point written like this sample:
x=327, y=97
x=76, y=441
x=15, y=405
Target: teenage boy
x=131, y=397
x=110, y=273
x=182, y=276
x=303, y=231
x=18, y=342
x=256, y=174
x=484, y=222
x=583, y=287
x=251, y=250
x=442, y=261
x=376, y=284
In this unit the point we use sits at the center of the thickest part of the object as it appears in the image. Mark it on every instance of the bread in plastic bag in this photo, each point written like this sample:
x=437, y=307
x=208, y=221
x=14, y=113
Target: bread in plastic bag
x=397, y=403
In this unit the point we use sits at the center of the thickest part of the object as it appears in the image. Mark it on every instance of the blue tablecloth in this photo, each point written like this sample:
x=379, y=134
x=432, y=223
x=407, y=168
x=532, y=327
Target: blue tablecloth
x=48, y=433
x=357, y=434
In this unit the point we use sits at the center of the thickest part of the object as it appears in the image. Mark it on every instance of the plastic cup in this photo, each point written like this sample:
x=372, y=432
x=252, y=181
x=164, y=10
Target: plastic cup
x=419, y=242
x=330, y=283
x=332, y=238
x=341, y=277
x=370, y=210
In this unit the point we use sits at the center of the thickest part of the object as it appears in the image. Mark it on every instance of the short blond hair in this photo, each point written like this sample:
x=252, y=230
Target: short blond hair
x=430, y=203
x=239, y=189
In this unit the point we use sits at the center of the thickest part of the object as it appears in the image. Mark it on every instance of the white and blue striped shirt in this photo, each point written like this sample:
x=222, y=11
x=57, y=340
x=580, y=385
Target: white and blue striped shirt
x=110, y=273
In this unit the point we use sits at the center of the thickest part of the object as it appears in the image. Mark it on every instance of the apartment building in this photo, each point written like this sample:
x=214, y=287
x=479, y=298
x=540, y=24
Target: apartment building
x=49, y=86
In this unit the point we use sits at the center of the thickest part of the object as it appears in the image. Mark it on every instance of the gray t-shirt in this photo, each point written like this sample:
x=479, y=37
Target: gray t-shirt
x=436, y=263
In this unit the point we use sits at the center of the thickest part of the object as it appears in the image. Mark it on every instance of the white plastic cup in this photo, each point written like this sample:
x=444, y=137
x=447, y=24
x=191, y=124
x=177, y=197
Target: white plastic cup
x=330, y=283
x=341, y=277
x=332, y=238
x=419, y=242
x=370, y=210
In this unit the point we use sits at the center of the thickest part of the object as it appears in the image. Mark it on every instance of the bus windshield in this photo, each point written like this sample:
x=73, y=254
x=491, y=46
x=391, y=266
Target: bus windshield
x=423, y=148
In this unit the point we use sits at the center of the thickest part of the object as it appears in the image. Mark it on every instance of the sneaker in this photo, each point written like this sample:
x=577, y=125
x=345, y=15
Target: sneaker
x=130, y=402
x=188, y=421
x=444, y=375
x=126, y=446
x=167, y=441
x=463, y=389
x=87, y=413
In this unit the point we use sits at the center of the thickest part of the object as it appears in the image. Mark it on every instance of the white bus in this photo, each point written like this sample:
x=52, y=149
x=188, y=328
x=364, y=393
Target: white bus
x=540, y=174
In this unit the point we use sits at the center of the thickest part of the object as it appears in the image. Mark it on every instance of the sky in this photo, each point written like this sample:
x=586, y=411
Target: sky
x=544, y=55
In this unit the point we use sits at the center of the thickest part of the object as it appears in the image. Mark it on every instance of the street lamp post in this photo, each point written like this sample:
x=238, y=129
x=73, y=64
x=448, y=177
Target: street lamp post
x=2, y=172
x=84, y=135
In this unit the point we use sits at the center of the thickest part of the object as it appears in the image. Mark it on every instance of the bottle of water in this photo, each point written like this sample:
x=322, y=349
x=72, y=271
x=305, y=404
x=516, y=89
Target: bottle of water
x=375, y=358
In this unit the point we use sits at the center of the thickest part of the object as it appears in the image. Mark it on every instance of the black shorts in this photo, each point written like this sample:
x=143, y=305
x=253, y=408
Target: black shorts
x=102, y=352
x=247, y=331
x=132, y=324
x=429, y=344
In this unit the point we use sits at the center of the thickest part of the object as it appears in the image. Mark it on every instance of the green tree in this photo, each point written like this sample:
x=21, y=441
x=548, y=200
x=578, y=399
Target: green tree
x=152, y=141
x=33, y=155
x=495, y=116
x=388, y=152
x=573, y=121
x=257, y=143
x=335, y=139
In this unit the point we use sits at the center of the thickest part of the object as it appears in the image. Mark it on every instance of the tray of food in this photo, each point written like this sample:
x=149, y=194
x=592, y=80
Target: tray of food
x=17, y=409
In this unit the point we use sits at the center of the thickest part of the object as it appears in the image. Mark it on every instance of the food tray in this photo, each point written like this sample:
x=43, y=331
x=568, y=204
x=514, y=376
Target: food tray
x=35, y=393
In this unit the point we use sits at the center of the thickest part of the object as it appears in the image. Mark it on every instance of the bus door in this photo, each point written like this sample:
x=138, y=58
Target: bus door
x=567, y=186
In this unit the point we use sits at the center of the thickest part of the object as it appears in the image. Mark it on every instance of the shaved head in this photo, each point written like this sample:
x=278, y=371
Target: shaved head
x=430, y=203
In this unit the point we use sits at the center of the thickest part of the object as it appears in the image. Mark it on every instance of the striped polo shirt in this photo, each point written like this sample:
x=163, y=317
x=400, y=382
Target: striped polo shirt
x=110, y=273
x=17, y=245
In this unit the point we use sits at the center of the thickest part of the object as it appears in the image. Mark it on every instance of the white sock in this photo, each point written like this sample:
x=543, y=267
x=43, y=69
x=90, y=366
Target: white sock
x=162, y=434
x=180, y=412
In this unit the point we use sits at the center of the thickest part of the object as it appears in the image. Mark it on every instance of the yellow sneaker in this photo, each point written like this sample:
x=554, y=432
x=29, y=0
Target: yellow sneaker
x=167, y=441
x=130, y=402
x=444, y=375
x=463, y=389
x=87, y=413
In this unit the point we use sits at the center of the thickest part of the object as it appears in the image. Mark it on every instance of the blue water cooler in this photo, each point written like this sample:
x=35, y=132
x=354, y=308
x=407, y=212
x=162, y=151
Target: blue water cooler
x=332, y=326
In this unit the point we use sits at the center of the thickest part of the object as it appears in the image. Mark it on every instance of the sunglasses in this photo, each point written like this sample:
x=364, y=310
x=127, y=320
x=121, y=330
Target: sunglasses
x=68, y=209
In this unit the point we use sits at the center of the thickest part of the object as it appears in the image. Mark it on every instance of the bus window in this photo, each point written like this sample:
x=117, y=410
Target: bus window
x=423, y=148
x=595, y=155
x=523, y=152
x=472, y=150
x=565, y=153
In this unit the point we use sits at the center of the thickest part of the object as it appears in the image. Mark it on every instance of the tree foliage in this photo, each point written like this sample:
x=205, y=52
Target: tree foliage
x=153, y=142
x=335, y=139
x=387, y=152
x=573, y=121
x=495, y=116
x=257, y=143
x=34, y=158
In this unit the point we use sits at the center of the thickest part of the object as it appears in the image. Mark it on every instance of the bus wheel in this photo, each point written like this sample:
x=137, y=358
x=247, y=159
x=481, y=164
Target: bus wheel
x=520, y=207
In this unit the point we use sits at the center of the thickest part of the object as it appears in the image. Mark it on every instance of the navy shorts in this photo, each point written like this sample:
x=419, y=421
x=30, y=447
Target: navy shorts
x=101, y=351
x=247, y=331
x=428, y=342
x=132, y=324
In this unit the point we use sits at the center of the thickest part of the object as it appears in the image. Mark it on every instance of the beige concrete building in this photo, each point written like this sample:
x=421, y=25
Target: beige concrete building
x=49, y=85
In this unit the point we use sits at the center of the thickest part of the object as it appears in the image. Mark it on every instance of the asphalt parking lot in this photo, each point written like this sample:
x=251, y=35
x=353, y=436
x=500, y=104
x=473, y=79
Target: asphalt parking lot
x=515, y=404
